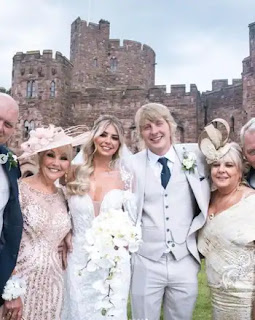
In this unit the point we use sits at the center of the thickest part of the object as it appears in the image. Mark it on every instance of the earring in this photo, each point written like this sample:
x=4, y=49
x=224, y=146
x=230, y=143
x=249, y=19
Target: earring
x=66, y=177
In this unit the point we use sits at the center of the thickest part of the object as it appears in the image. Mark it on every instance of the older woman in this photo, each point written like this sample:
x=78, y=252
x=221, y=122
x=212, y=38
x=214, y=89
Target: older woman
x=227, y=239
x=46, y=223
x=101, y=183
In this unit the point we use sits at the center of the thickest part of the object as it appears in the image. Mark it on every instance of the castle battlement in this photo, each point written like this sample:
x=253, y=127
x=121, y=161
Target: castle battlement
x=219, y=84
x=129, y=45
x=177, y=90
x=91, y=25
x=47, y=55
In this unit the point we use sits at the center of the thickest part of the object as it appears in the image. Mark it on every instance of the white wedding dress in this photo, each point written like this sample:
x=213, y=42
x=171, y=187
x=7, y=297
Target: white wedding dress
x=80, y=297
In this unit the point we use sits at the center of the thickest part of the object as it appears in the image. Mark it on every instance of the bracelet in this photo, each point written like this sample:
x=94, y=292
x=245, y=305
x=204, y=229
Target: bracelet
x=14, y=288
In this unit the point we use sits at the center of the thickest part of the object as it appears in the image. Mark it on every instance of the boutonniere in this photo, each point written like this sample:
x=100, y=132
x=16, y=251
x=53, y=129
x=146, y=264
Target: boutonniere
x=11, y=158
x=189, y=161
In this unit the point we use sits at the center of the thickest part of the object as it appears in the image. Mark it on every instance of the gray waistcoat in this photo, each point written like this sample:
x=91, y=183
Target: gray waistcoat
x=167, y=214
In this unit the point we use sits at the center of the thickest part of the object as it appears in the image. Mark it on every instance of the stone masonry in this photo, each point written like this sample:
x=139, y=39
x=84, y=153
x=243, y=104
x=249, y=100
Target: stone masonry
x=105, y=77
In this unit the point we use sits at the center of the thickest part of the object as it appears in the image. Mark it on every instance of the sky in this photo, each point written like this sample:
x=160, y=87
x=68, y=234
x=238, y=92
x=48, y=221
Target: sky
x=195, y=41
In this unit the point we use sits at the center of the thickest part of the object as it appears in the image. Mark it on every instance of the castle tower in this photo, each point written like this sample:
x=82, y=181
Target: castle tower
x=249, y=75
x=102, y=62
x=40, y=84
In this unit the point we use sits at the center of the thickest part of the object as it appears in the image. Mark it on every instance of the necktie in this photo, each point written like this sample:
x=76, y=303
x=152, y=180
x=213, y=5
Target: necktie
x=165, y=173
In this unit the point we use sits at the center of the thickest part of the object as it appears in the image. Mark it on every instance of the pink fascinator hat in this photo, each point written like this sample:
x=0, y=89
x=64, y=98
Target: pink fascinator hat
x=51, y=137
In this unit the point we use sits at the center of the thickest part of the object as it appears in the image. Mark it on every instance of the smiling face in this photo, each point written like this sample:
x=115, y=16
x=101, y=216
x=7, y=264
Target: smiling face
x=226, y=174
x=8, y=117
x=156, y=135
x=54, y=163
x=249, y=147
x=108, y=142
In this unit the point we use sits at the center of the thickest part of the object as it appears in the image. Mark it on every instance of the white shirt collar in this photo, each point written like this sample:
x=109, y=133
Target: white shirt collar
x=153, y=158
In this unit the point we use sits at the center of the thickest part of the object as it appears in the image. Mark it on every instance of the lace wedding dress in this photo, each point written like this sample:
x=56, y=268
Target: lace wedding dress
x=80, y=296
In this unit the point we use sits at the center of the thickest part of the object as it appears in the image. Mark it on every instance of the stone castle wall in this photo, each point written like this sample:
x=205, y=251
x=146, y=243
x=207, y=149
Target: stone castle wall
x=86, y=88
x=103, y=62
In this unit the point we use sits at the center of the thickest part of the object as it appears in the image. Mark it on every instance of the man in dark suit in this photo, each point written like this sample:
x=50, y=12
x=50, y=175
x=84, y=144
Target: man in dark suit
x=10, y=213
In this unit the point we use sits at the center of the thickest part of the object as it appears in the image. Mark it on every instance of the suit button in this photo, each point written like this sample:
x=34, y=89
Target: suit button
x=168, y=242
x=173, y=245
x=167, y=207
x=167, y=230
x=167, y=218
x=165, y=195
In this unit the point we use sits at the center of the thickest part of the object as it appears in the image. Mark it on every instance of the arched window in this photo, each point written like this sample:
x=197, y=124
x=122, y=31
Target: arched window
x=32, y=125
x=113, y=64
x=52, y=89
x=28, y=126
x=26, y=129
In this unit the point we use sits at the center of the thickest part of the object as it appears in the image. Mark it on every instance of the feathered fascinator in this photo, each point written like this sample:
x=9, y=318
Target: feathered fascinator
x=46, y=138
x=213, y=141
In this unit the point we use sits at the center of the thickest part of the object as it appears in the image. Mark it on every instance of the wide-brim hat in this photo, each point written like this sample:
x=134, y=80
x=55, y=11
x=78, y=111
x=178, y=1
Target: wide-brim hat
x=213, y=141
x=51, y=137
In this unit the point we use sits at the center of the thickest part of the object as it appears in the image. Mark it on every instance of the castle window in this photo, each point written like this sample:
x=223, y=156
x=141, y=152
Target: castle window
x=28, y=126
x=113, y=64
x=95, y=62
x=26, y=129
x=52, y=89
x=31, y=89
x=232, y=124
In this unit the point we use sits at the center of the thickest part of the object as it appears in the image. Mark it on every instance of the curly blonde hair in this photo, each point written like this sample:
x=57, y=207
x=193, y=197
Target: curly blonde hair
x=81, y=184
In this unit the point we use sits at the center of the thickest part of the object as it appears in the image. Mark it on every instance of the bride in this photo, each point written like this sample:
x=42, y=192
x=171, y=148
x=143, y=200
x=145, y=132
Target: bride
x=101, y=183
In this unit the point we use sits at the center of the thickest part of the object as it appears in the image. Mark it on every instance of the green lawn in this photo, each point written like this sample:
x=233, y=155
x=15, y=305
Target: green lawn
x=203, y=306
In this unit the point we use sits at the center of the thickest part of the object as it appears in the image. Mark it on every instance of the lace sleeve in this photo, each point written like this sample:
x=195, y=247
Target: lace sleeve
x=129, y=201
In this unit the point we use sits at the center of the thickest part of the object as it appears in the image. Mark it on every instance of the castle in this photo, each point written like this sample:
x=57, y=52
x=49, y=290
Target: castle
x=104, y=76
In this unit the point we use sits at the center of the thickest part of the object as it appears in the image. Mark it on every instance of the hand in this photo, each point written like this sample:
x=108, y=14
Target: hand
x=13, y=309
x=65, y=247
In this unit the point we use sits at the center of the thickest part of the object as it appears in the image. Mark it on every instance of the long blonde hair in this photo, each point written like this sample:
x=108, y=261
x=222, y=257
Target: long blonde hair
x=81, y=184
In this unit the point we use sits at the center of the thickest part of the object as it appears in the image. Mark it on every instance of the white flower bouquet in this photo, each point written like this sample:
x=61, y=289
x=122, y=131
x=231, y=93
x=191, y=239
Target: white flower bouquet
x=110, y=241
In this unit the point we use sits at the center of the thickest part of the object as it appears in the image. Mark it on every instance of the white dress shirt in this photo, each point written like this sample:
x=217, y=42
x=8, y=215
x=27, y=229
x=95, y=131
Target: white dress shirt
x=4, y=194
x=157, y=166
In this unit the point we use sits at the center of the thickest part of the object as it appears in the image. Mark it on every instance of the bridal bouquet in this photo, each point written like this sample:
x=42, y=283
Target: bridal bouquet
x=110, y=241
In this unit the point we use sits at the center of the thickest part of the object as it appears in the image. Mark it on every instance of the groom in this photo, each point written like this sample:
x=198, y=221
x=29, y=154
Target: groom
x=10, y=213
x=172, y=198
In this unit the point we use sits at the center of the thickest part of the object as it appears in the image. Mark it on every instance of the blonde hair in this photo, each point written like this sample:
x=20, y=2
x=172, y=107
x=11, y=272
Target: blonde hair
x=153, y=112
x=235, y=154
x=81, y=184
x=67, y=149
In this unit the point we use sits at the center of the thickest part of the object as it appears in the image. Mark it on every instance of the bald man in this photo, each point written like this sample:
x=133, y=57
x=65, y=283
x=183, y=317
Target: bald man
x=10, y=214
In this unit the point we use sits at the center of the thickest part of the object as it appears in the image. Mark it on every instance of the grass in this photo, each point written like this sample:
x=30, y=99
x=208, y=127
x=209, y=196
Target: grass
x=203, y=306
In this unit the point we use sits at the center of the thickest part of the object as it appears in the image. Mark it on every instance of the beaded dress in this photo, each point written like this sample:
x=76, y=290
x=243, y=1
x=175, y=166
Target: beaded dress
x=46, y=223
x=227, y=243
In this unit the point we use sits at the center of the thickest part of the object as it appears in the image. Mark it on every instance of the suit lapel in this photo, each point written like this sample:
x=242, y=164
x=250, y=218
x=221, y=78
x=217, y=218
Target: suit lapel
x=141, y=167
x=10, y=173
x=202, y=196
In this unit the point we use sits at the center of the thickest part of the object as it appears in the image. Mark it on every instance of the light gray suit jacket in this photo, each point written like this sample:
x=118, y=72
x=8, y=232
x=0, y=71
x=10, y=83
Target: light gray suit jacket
x=199, y=186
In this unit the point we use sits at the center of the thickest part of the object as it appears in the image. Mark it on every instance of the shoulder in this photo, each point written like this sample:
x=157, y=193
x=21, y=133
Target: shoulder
x=139, y=155
x=182, y=148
